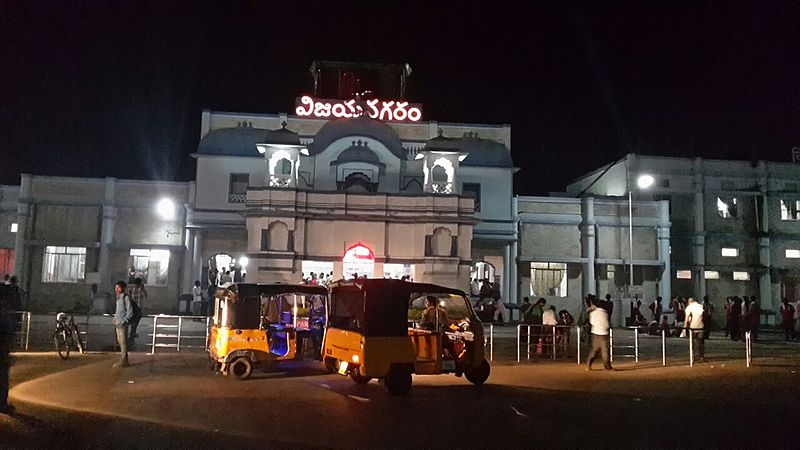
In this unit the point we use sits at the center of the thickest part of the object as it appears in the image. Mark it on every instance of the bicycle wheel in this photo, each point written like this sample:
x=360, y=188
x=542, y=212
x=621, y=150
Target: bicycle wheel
x=76, y=336
x=60, y=339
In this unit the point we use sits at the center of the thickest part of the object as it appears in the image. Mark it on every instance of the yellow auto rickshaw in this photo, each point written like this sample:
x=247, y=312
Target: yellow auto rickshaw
x=258, y=324
x=391, y=329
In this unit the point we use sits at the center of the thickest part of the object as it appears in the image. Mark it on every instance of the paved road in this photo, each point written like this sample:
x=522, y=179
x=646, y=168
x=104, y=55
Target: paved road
x=170, y=400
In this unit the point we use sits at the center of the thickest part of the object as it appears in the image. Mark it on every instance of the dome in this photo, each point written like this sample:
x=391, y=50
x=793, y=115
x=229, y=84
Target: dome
x=359, y=126
x=282, y=136
x=358, y=152
x=480, y=152
x=236, y=141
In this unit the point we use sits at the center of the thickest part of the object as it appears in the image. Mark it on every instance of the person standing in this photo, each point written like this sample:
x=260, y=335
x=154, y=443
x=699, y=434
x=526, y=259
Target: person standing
x=599, y=323
x=694, y=326
x=787, y=312
x=226, y=278
x=197, y=298
x=122, y=317
x=734, y=318
x=549, y=323
x=754, y=317
x=501, y=310
x=10, y=303
x=137, y=293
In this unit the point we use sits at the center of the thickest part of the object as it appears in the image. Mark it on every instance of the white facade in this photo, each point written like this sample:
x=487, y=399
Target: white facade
x=396, y=188
x=734, y=223
x=572, y=247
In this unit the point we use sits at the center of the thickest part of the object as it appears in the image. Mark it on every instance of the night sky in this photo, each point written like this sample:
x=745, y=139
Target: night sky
x=114, y=88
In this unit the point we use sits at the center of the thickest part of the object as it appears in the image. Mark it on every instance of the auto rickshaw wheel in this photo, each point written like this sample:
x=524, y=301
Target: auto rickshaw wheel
x=480, y=374
x=330, y=364
x=240, y=368
x=359, y=379
x=398, y=381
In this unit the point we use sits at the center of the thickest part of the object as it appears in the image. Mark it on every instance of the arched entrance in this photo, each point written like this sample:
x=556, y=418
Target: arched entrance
x=358, y=260
x=222, y=262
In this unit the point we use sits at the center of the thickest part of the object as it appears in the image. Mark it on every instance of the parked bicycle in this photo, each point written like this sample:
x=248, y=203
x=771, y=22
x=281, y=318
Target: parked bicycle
x=67, y=335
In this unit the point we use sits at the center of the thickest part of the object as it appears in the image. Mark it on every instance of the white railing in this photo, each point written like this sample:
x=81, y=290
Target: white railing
x=488, y=339
x=178, y=334
x=23, y=323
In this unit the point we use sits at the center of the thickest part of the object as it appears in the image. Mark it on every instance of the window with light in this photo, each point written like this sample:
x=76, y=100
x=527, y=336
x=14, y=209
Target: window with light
x=64, y=264
x=151, y=265
x=549, y=279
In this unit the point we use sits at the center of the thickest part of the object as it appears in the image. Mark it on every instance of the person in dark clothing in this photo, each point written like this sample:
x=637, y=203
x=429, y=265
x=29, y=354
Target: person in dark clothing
x=735, y=317
x=786, y=311
x=10, y=303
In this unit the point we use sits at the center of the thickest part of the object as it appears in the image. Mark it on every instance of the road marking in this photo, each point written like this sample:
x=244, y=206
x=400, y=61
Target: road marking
x=360, y=399
x=517, y=411
x=326, y=386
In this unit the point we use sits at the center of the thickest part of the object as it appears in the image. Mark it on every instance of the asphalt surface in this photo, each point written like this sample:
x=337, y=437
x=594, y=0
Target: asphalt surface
x=173, y=401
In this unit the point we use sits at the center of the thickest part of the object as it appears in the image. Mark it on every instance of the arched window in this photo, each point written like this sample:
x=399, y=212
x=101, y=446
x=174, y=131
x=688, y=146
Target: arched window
x=439, y=175
x=278, y=236
x=442, y=242
x=358, y=182
x=284, y=167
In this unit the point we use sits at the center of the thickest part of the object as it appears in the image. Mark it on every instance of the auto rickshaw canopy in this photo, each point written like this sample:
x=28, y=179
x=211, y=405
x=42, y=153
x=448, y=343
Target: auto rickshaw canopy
x=378, y=307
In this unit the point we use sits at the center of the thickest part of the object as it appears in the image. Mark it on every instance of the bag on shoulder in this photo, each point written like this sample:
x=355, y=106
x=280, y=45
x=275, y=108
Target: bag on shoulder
x=137, y=311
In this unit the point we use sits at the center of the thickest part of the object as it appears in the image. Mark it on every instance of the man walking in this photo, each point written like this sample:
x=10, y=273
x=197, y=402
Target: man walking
x=9, y=304
x=599, y=322
x=122, y=317
x=694, y=326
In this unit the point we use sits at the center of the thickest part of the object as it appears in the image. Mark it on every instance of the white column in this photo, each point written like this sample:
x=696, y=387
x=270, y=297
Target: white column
x=513, y=275
x=507, y=263
x=197, y=255
x=107, y=237
x=665, y=283
x=23, y=213
x=588, y=241
x=188, y=258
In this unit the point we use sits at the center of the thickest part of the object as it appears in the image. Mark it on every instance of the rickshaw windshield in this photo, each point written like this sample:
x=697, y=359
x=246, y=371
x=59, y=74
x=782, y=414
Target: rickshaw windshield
x=299, y=310
x=452, y=309
x=347, y=308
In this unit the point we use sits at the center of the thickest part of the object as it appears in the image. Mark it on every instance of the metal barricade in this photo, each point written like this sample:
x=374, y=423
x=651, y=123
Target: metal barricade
x=178, y=335
x=549, y=340
x=748, y=349
x=635, y=345
x=23, y=327
x=488, y=340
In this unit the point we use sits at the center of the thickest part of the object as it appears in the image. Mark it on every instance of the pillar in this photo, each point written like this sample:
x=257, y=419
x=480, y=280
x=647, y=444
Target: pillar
x=513, y=275
x=589, y=246
x=665, y=283
x=189, y=270
x=107, y=237
x=23, y=214
x=764, y=244
x=699, y=241
x=197, y=255
x=507, y=263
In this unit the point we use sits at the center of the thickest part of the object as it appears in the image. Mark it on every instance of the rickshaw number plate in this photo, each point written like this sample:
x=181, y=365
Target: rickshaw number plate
x=342, y=367
x=448, y=365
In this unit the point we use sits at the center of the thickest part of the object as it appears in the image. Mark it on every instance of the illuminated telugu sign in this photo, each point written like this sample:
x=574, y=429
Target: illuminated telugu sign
x=374, y=108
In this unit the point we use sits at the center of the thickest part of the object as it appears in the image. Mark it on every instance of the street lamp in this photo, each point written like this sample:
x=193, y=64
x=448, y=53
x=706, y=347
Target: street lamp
x=166, y=209
x=643, y=182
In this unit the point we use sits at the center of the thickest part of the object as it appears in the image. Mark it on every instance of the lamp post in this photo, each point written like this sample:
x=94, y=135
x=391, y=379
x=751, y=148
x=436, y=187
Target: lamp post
x=643, y=182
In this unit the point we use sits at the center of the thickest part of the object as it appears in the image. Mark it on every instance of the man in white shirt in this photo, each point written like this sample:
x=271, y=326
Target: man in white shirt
x=694, y=325
x=598, y=319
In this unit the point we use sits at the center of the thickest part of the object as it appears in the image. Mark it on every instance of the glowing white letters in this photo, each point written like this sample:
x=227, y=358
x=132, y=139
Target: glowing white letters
x=374, y=108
